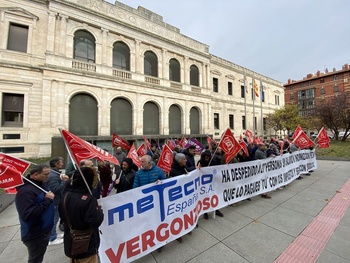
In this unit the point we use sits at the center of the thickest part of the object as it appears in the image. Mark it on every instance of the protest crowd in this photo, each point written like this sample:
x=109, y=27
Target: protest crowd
x=51, y=198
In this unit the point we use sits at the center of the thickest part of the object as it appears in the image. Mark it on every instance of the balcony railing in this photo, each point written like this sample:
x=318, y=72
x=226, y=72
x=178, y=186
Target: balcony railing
x=196, y=89
x=83, y=66
x=175, y=85
x=122, y=74
x=152, y=80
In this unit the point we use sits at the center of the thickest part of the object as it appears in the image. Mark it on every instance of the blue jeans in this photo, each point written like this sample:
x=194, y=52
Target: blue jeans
x=53, y=234
x=37, y=248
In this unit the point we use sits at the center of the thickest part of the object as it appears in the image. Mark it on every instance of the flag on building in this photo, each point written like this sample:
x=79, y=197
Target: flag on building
x=256, y=89
x=245, y=81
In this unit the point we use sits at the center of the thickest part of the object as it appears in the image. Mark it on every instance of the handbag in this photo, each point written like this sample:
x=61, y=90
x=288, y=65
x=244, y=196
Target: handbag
x=80, y=238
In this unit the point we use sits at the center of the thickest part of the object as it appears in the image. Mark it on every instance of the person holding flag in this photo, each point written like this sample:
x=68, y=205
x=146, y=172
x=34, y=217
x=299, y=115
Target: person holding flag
x=35, y=207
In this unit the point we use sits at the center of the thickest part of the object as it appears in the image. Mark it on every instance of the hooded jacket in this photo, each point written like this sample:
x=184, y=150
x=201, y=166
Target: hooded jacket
x=144, y=176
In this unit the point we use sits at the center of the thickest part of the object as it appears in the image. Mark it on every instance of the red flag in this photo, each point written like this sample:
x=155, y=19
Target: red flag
x=118, y=141
x=148, y=144
x=303, y=141
x=244, y=147
x=297, y=130
x=11, y=171
x=210, y=141
x=323, y=145
x=134, y=156
x=166, y=159
x=256, y=89
x=142, y=150
x=322, y=136
x=171, y=145
x=241, y=137
x=11, y=191
x=183, y=142
x=81, y=149
x=249, y=135
x=229, y=145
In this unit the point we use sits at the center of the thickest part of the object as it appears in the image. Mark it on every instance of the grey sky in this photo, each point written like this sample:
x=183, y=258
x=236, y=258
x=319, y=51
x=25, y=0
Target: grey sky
x=280, y=39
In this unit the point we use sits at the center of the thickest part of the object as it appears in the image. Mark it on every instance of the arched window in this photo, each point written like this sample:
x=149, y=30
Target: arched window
x=150, y=64
x=194, y=76
x=84, y=46
x=121, y=56
x=121, y=117
x=83, y=118
x=194, y=120
x=150, y=119
x=174, y=70
x=174, y=120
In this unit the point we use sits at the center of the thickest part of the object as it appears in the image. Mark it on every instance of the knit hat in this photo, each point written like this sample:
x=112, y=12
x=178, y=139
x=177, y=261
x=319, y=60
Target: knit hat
x=179, y=157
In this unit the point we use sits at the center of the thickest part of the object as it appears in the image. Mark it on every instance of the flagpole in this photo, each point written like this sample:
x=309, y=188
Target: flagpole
x=245, y=98
x=261, y=109
x=77, y=166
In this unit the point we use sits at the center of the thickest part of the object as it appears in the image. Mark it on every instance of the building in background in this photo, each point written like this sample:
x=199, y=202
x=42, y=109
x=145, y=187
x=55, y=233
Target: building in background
x=95, y=68
x=314, y=88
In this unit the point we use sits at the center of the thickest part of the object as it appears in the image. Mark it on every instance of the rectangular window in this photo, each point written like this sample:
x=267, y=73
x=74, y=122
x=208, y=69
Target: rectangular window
x=292, y=96
x=216, y=121
x=322, y=80
x=277, y=100
x=323, y=91
x=335, y=77
x=12, y=149
x=336, y=88
x=229, y=88
x=244, y=127
x=231, y=121
x=11, y=136
x=12, y=110
x=18, y=38
x=215, y=85
x=242, y=92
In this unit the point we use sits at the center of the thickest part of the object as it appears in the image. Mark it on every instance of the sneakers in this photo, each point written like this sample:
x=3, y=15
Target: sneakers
x=61, y=227
x=218, y=213
x=57, y=241
x=160, y=249
x=60, y=235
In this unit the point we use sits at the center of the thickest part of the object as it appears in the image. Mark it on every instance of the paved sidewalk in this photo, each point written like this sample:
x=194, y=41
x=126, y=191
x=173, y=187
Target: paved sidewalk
x=256, y=231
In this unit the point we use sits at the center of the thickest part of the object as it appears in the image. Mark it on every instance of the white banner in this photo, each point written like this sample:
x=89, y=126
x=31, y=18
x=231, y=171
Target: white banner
x=138, y=221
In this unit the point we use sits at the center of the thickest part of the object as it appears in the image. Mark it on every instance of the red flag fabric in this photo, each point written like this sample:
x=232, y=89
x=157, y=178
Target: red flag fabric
x=303, y=141
x=249, y=135
x=229, y=145
x=166, y=159
x=81, y=149
x=11, y=171
x=171, y=145
x=142, y=150
x=134, y=156
x=296, y=132
x=256, y=89
x=11, y=191
x=323, y=145
x=118, y=141
x=148, y=144
x=183, y=142
x=210, y=141
x=323, y=136
x=241, y=137
x=244, y=147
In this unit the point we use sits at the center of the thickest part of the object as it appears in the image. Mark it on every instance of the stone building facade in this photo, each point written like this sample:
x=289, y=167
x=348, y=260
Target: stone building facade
x=95, y=68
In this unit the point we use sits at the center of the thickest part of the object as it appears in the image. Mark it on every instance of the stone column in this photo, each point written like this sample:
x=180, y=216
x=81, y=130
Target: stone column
x=51, y=30
x=63, y=33
x=104, y=45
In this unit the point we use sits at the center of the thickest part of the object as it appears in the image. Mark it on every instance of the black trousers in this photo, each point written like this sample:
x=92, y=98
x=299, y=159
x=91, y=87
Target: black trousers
x=37, y=248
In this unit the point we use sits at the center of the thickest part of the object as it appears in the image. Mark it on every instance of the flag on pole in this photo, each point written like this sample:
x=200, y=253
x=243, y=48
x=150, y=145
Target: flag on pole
x=196, y=143
x=323, y=145
x=256, y=89
x=80, y=149
x=142, y=150
x=249, y=135
x=166, y=159
x=296, y=132
x=245, y=81
x=147, y=143
x=118, y=141
x=322, y=136
x=134, y=156
x=170, y=144
x=210, y=142
x=11, y=171
x=183, y=142
x=229, y=145
x=303, y=141
x=244, y=147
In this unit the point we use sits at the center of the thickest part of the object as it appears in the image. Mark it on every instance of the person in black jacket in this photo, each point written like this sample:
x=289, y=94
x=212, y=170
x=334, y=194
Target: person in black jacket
x=190, y=152
x=179, y=165
x=83, y=212
x=126, y=180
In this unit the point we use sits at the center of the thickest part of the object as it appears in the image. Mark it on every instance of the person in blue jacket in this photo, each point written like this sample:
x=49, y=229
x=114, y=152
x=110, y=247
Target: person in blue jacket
x=149, y=172
x=36, y=212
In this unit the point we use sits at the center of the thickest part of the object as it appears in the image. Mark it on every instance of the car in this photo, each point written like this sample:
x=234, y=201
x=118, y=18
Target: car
x=314, y=136
x=342, y=134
